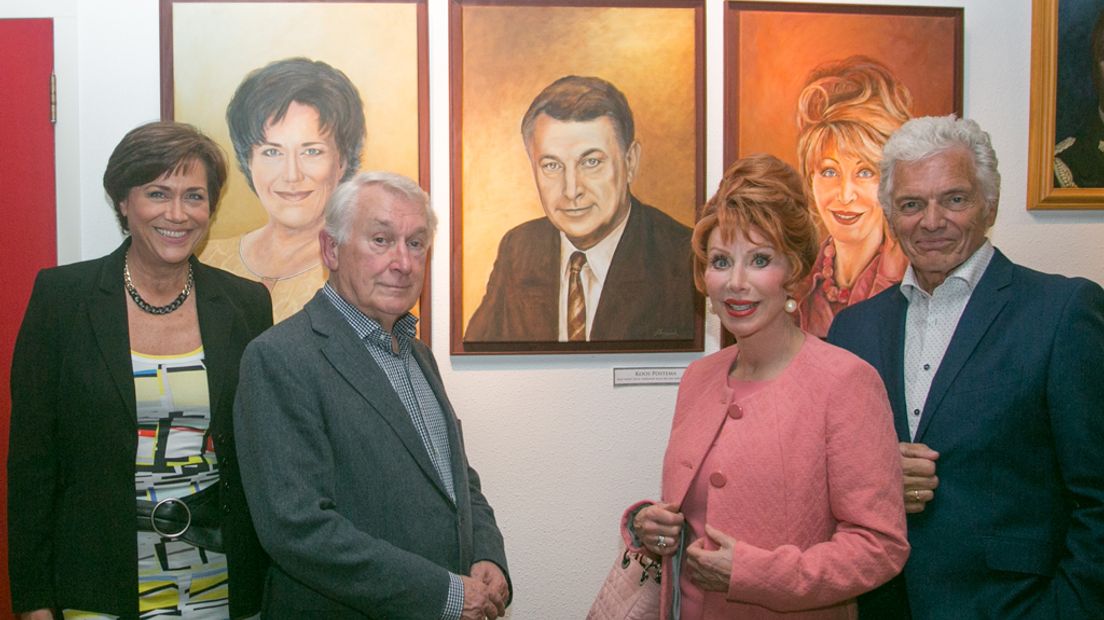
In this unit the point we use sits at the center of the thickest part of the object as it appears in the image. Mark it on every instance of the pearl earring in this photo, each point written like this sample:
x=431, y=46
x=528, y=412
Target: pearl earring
x=791, y=305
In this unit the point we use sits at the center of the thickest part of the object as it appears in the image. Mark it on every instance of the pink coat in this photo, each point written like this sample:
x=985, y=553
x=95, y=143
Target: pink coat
x=812, y=488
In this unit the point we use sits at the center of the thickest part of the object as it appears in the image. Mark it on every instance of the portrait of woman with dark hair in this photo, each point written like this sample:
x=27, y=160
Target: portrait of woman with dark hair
x=297, y=127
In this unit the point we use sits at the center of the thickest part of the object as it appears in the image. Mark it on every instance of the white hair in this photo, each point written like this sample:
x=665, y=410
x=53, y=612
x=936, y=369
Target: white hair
x=925, y=136
x=339, y=207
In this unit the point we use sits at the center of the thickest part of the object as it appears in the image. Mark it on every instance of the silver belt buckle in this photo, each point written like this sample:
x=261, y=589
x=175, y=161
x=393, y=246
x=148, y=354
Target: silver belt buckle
x=153, y=517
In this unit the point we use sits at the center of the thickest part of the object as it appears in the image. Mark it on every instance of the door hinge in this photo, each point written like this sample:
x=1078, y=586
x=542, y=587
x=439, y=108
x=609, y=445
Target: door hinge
x=53, y=99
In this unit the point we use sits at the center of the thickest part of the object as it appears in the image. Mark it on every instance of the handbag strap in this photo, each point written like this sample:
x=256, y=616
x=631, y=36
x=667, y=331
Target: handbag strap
x=676, y=572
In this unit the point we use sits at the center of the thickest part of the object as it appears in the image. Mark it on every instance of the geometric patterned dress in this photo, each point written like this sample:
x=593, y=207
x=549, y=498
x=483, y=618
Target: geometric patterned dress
x=175, y=458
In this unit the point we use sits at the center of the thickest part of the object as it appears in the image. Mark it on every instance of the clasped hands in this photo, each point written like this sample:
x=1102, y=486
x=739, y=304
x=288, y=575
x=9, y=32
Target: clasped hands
x=485, y=592
x=708, y=559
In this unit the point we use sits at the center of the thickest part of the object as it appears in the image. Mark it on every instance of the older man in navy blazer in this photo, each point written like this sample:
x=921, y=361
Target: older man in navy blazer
x=352, y=458
x=996, y=377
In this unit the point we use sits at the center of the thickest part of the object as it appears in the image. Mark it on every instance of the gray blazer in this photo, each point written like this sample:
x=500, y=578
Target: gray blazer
x=342, y=491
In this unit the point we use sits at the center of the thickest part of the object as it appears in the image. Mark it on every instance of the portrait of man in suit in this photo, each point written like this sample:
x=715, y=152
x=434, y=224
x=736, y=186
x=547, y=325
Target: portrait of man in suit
x=995, y=375
x=351, y=455
x=601, y=265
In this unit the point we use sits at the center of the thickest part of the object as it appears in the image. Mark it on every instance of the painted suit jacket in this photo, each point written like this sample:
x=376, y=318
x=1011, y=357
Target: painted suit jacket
x=648, y=293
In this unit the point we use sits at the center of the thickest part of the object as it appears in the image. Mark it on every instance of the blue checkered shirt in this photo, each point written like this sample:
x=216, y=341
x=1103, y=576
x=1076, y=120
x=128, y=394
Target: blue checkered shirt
x=417, y=396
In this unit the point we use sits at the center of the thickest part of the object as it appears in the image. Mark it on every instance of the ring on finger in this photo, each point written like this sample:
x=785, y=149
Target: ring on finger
x=916, y=494
x=661, y=541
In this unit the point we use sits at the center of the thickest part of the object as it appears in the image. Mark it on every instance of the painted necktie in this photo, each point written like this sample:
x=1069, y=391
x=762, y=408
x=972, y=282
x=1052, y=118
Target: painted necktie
x=576, y=304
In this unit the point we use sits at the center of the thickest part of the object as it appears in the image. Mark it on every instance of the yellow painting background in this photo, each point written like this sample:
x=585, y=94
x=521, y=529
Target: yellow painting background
x=510, y=54
x=376, y=45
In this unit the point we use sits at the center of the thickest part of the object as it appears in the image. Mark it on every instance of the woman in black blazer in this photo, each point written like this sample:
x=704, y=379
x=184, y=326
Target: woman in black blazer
x=123, y=380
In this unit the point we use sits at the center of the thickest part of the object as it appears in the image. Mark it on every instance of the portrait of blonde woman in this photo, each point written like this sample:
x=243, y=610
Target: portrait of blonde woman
x=845, y=113
x=297, y=126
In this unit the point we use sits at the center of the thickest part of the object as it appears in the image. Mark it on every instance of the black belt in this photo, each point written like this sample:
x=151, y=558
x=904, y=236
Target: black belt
x=193, y=518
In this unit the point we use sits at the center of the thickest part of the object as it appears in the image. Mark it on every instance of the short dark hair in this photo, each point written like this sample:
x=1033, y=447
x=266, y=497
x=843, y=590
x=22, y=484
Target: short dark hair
x=760, y=191
x=266, y=93
x=150, y=151
x=580, y=99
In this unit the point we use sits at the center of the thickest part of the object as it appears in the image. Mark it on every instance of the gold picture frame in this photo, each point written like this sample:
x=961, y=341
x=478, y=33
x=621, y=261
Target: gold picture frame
x=1042, y=194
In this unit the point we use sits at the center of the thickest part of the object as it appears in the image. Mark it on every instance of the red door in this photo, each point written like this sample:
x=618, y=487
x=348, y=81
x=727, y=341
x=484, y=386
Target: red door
x=28, y=238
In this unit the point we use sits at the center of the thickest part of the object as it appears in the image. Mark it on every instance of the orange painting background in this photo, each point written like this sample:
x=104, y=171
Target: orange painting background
x=509, y=55
x=778, y=49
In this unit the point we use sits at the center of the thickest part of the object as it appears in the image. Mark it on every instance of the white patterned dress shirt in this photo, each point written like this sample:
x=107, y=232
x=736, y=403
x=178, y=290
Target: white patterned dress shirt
x=930, y=324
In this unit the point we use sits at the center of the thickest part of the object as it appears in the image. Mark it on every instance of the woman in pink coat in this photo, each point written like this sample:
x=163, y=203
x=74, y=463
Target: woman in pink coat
x=782, y=477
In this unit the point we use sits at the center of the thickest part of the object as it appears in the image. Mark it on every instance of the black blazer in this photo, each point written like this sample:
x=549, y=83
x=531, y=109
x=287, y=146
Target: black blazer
x=71, y=506
x=648, y=294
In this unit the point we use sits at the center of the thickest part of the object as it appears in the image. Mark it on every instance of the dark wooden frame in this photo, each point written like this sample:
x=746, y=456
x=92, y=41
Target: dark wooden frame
x=1041, y=193
x=732, y=88
x=167, y=103
x=456, y=47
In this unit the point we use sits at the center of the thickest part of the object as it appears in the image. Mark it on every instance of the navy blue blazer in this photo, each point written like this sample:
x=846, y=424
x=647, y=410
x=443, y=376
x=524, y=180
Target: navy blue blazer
x=1016, y=411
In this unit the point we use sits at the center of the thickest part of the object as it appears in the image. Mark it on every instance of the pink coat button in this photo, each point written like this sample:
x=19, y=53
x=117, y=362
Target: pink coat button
x=717, y=479
x=735, y=412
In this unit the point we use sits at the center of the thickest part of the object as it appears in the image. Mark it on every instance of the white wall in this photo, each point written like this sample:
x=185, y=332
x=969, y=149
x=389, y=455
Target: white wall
x=561, y=451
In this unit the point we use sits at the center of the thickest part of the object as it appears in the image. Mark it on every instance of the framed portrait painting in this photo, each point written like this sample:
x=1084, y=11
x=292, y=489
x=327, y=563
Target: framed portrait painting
x=1065, y=165
x=822, y=87
x=301, y=95
x=577, y=164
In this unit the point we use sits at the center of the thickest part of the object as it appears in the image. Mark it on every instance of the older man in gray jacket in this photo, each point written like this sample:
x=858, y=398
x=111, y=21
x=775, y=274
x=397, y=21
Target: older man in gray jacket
x=351, y=455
